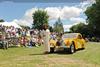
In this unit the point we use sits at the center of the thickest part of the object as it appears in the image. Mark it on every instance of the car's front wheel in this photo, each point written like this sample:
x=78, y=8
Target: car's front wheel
x=72, y=48
x=52, y=49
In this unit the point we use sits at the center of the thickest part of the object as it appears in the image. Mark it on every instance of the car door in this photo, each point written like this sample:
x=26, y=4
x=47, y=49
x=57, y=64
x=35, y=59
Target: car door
x=79, y=41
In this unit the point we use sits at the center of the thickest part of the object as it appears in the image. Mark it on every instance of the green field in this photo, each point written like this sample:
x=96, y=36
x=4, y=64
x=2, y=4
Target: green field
x=34, y=57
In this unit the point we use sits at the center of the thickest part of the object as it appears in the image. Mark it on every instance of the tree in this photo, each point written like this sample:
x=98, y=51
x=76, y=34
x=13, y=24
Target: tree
x=1, y=20
x=40, y=18
x=51, y=29
x=93, y=17
x=80, y=28
x=58, y=26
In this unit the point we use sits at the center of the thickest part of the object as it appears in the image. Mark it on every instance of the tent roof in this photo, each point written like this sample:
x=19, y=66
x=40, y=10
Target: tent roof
x=10, y=24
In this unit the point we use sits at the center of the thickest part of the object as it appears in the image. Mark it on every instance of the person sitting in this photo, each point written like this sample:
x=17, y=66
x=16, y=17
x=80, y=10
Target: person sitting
x=34, y=41
x=3, y=43
x=23, y=41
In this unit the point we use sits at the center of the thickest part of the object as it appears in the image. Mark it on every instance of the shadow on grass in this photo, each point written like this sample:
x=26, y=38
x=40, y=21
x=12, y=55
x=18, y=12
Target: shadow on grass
x=64, y=52
x=57, y=52
x=13, y=46
x=80, y=49
x=42, y=53
x=9, y=47
x=39, y=54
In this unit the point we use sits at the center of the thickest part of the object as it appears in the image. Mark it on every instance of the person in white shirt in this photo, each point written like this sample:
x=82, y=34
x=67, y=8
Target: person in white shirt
x=46, y=38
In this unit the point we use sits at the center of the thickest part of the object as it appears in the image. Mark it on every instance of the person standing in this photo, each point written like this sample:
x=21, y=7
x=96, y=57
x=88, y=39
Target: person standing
x=46, y=38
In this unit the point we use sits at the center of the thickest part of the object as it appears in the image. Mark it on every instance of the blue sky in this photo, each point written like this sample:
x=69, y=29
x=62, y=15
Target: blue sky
x=20, y=12
x=10, y=10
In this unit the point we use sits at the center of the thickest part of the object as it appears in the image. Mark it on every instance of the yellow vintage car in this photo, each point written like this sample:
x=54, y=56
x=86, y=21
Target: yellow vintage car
x=70, y=41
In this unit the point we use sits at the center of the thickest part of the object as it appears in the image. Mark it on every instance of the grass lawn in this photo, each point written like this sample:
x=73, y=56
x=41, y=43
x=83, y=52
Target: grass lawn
x=34, y=57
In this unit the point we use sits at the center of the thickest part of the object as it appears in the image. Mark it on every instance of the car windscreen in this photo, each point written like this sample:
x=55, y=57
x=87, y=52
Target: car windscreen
x=70, y=35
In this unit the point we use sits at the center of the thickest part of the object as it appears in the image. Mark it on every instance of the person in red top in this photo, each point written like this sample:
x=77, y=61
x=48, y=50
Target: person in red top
x=23, y=41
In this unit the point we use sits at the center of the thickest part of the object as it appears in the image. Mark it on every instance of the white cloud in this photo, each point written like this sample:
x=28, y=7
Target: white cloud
x=69, y=12
x=29, y=13
x=27, y=19
x=86, y=3
x=92, y=1
x=76, y=20
x=53, y=12
x=67, y=27
x=64, y=13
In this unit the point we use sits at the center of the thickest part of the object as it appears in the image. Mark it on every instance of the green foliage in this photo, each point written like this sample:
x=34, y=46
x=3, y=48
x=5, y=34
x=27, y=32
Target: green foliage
x=40, y=18
x=58, y=26
x=76, y=28
x=34, y=57
x=80, y=28
x=93, y=17
x=51, y=29
x=1, y=20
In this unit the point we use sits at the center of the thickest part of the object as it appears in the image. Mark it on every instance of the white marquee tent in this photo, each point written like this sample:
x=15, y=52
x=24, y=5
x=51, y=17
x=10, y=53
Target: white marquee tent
x=10, y=24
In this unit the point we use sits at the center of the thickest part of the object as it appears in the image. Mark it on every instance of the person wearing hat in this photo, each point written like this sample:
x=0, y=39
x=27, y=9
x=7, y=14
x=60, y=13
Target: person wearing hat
x=46, y=37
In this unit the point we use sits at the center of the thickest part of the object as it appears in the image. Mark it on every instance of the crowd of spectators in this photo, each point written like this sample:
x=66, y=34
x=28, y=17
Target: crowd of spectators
x=21, y=36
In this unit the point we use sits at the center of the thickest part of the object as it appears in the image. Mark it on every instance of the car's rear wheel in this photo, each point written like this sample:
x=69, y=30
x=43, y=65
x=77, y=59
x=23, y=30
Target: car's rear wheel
x=72, y=49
